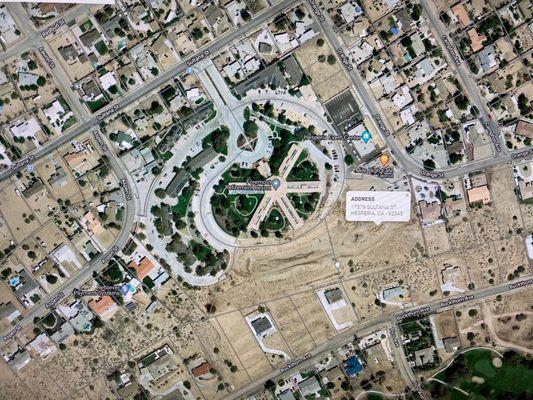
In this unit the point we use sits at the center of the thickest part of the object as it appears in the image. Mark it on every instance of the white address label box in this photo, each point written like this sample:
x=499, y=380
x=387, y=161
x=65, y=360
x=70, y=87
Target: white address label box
x=378, y=206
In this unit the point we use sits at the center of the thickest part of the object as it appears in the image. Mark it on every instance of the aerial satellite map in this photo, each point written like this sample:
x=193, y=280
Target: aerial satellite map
x=266, y=200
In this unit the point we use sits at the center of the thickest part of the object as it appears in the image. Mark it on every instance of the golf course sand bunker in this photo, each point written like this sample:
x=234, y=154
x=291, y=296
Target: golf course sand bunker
x=478, y=379
x=497, y=362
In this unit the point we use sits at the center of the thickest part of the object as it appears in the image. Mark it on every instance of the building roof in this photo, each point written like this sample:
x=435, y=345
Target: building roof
x=88, y=38
x=8, y=310
x=524, y=128
x=309, y=386
x=35, y=188
x=143, y=268
x=42, y=345
x=202, y=369
x=333, y=295
x=392, y=293
x=75, y=159
x=479, y=194
x=93, y=223
x=162, y=366
x=476, y=39
x=424, y=356
x=103, y=305
x=286, y=395
x=462, y=15
x=261, y=325
x=451, y=344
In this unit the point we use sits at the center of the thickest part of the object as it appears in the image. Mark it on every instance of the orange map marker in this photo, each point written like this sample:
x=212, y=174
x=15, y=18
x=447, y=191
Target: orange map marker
x=384, y=159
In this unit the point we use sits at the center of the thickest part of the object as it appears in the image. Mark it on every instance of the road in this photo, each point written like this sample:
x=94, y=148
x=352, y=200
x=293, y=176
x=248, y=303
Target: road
x=389, y=320
x=153, y=84
x=99, y=262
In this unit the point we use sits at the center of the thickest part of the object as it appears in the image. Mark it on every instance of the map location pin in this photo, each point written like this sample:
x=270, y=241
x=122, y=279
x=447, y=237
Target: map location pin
x=365, y=136
x=384, y=159
x=275, y=183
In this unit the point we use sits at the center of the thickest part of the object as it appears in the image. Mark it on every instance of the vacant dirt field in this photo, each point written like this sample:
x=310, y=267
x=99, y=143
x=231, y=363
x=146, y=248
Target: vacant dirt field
x=98, y=390
x=218, y=350
x=484, y=223
x=460, y=232
x=316, y=320
x=512, y=257
x=436, y=239
x=264, y=274
x=291, y=326
x=482, y=265
x=244, y=344
x=505, y=202
x=42, y=384
x=20, y=218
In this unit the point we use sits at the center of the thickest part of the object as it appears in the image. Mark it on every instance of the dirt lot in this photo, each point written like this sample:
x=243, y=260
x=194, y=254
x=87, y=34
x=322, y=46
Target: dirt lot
x=512, y=256
x=291, y=326
x=436, y=239
x=20, y=219
x=218, y=350
x=422, y=281
x=316, y=320
x=484, y=223
x=505, y=202
x=472, y=323
x=5, y=234
x=244, y=344
x=357, y=243
x=327, y=79
x=377, y=361
x=460, y=232
x=482, y=265
x=42, y=384
x=260, y=275
x=98, y=390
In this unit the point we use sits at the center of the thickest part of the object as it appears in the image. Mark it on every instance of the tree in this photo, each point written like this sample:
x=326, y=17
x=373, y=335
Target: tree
x=51, y=279
x=270, y=385
x=320, y=42
x=41, y=81
x=160, y=192
x=331, y=59
x=197, y=33
x=349, y=159
x=429, y=164
x=245, y=15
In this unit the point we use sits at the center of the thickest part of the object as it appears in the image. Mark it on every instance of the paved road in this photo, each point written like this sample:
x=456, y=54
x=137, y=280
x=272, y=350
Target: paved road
x=148, y=87
x=322, y=350
x=99, y=262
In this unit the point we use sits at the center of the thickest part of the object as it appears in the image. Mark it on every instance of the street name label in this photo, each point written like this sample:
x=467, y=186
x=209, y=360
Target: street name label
x=378, y=207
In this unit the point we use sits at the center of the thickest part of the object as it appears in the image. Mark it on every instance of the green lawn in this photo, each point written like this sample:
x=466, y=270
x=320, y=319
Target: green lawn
x=180, y=208
x=305, y=203
x=275, y=221
x=97, y=105
x=513, y=380
x=303, y=170
x=245, y=204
